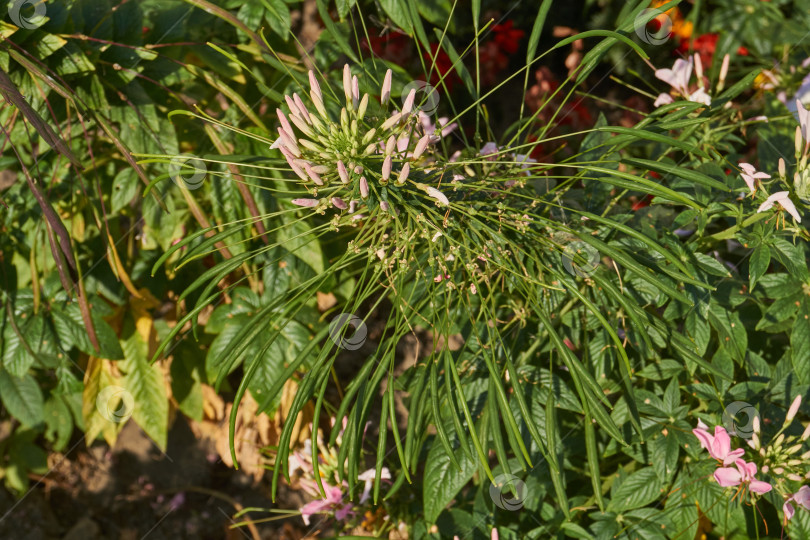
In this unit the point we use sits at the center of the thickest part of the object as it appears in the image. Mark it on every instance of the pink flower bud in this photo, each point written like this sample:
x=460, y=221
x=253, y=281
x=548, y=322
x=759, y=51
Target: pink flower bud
x=347, y=82
x=384, y=206
x=355, y=91
x=386, y=88
x=284, y=122
x=314, y=86
x=386, y=168
x=421, y=146
x=408, y=105
x=438, y=195
x=363, y=187
x=391, y=122
x=291, y=104
x=308, y=203
x=342, y=172
x=391, y=145
x=339, y=203
x=403, y=174
x=794, y=408
x=313, y=175
x=302, y=108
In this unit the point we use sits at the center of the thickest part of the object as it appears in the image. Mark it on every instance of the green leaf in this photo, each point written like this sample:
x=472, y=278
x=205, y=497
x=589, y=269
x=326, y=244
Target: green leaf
x=343, y=7
x=278, y=16
x=334, y=31
x=442, y=480
x=800, y=343
x=730, y=330
x=124, y=189
x=665, y=452
x=639, y=489
x=59, y=422
x=537, y=29
x=71, y=331
x=760, y=260
x=398, y=12
x=22, y=398
x=145, y=382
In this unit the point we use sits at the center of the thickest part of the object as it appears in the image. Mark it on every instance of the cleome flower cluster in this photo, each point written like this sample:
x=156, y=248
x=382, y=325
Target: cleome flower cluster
x=782, y=460
x=356, y=156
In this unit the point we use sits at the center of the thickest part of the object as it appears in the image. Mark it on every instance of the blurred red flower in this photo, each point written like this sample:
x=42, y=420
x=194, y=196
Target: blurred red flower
x=705, y=45
x=506, y=37
x=443, y=68
x=393, y=47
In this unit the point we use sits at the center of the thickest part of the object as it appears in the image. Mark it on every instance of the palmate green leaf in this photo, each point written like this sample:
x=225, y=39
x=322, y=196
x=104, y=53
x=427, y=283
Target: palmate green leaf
x=145, y=383
x=22, y=398
x=637, y=490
